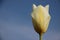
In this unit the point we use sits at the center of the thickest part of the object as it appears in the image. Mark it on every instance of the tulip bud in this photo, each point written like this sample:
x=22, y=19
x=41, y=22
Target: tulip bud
x=40, y=18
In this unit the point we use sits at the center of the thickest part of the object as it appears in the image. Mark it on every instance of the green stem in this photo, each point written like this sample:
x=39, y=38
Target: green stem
x=40, y=37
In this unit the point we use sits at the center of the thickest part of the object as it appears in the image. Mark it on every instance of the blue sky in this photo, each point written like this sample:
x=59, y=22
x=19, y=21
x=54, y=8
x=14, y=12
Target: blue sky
x=16, y=23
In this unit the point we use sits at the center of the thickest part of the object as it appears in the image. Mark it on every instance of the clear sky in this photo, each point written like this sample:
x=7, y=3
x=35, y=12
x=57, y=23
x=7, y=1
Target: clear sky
x=16, y=23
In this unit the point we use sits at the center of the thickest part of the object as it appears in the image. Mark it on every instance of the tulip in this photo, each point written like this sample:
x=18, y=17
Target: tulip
x=40, y=19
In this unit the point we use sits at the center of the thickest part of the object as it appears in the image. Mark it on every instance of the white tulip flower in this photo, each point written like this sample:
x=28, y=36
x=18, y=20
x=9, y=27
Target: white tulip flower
x=40, y=18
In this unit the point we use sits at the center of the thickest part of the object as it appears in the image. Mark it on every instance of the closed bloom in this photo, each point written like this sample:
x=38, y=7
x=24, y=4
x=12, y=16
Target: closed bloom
x=40, y=18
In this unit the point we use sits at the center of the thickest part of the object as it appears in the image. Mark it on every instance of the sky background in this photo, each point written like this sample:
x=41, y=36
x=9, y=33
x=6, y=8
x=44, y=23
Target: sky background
x=16, y=22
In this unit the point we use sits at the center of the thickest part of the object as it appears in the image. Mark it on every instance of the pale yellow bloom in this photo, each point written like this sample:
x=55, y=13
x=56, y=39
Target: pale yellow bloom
x=40, y=18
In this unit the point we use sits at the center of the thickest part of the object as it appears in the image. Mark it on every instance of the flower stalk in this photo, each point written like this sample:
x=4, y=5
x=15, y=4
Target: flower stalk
x=40, y=36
